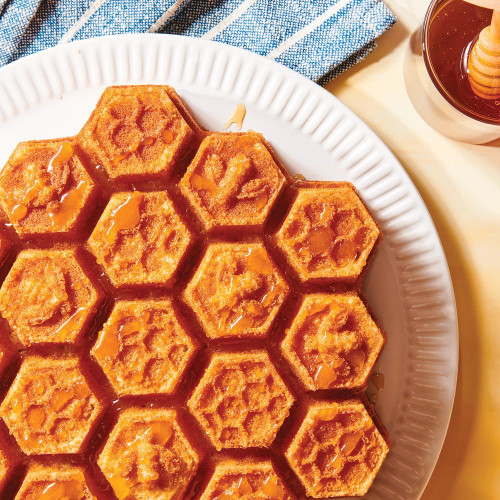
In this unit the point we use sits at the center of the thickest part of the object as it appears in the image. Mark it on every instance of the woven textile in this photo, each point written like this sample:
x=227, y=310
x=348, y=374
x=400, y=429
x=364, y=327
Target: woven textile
x=317, y=38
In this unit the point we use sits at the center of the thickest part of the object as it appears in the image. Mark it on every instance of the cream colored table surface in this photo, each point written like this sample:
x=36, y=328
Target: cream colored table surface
x=460, y=184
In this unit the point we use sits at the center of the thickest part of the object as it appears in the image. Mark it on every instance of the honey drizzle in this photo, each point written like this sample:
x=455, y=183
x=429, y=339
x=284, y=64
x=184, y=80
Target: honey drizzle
x=70, y=324
x=69, y=203
x=125, y=216
x=237, y=117
x=67, y=490
x=62, y=156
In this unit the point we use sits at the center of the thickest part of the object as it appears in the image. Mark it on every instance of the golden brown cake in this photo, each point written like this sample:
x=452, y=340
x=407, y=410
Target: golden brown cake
x=337, y=450
x=249, y=479
x=45, y=189
x=140, y=239
x=328, y=234
x=148, y=456
x=237, y=290
x=143, y=349
x=47, y=297
x=332, y=342
x=232, y=181
x=181, y=350
x=241, y=401
x=50, y=408
x=136, y=131
x=55, y=482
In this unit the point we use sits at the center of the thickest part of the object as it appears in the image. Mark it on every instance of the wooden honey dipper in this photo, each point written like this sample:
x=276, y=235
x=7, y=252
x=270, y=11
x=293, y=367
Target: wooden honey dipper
x=484, y=58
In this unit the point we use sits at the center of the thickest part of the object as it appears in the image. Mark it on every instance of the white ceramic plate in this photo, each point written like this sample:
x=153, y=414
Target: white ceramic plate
x=408, y=286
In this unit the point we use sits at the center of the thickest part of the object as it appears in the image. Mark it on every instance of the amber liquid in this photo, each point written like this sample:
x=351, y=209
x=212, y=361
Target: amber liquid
x=453, y=30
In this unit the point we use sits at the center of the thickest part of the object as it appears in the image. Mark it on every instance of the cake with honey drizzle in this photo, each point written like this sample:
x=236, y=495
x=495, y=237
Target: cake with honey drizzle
x=45, y=189
x=333, y=342
x=50, y=408
x=237, y=290
x=175, y=305
x=143, y=348
x=233, y=181
x=140, y=239
x=241, y=400
x=138, y=132
x=55, y=482
x=48, y=298
x=252, y=479
x=148, y=455
x=327, y=234
x=337, y=450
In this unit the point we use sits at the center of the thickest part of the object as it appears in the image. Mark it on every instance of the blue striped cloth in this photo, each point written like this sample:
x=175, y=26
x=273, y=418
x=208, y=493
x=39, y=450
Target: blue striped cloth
x=317, y=38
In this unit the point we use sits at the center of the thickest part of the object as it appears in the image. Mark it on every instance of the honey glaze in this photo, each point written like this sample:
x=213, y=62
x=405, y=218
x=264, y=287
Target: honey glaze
x=70, y=202
x=125, y=216
x=67, y=490
x=237, y=117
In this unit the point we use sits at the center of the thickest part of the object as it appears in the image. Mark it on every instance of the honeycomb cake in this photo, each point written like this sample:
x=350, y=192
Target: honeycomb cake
x=137, y=132
x=50, y=408
x=48, y=298
x=328, y=233
x=55, y=482
x=181, y=318
x=148, y=455
x=337, y=450
x=252, y=479
x=333, y=342
x=143, y=349
x=233, y=181
x=241, y=401
x=45, y=189
x=237, y=290
x=140, y=239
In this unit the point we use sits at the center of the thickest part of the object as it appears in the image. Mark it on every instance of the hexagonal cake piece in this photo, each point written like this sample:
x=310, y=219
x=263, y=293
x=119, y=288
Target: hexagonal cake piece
x=328, y=234
x=54, y=482
x=241, y=401
x=148, y=455
x=49, y=407
x=237, y=290
x=333, y=342
x=246, y=479
x=47, y=297
x=232, y=181
x=136, y=131
x=338, y=450
x=44, y=188
x=140, y=239
x=143, y=349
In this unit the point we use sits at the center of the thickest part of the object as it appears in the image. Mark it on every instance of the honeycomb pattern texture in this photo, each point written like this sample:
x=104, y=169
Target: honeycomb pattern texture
x=237, y=290
x=333, y=342
x=143, y=349
x=328, y=233
x=250, y=479
x=140, y=239
x=50, y=408
x=337, y=450
x=241, y=401
x=181, y=319
x=44, y=188
x=232, y=181
x=148, y=455
x=58, y=482
x=47, y=297
x=136, y=132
